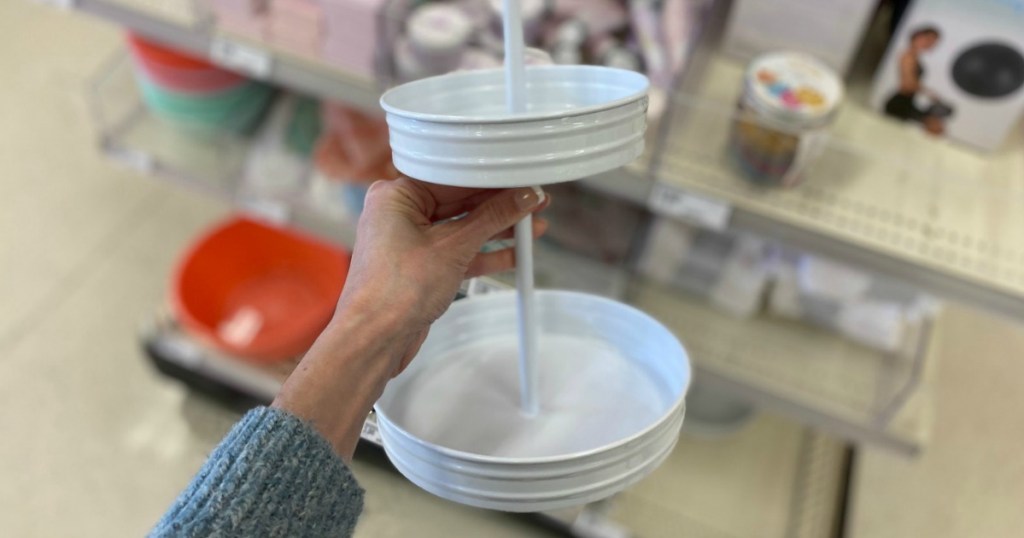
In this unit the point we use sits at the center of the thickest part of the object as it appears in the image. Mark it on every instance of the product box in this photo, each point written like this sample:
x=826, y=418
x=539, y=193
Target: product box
x=831, y=30
x=956, y=67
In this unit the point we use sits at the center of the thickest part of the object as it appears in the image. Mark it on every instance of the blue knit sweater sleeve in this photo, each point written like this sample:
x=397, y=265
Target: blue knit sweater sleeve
x=273, y=475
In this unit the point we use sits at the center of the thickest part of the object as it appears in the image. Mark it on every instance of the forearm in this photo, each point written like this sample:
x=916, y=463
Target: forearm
x=343, y=374
x=272, y=475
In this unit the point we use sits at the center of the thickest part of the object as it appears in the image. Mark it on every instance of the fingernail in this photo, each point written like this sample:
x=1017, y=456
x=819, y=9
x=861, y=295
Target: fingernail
x=529, y=198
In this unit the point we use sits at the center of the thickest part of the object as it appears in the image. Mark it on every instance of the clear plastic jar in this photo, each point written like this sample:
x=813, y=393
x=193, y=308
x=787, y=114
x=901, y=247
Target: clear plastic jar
x=788, y=102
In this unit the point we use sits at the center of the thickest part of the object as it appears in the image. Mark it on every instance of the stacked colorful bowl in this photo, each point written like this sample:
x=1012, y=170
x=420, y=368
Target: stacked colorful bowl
x=195, y=94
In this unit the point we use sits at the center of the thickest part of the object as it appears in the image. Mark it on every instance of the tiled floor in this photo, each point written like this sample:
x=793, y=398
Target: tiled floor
x=94, y=443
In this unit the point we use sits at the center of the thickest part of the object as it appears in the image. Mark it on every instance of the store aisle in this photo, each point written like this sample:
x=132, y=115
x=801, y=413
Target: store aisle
x=94, y=442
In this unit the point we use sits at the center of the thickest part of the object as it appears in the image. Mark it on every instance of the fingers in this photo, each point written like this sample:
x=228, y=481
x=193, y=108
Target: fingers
x=498, y=213
x=540, y=227
x=492, y=262
x=464, y=205
x=504, y=259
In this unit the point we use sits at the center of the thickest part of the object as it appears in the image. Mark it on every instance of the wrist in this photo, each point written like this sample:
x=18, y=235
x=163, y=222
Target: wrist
x=344, y=372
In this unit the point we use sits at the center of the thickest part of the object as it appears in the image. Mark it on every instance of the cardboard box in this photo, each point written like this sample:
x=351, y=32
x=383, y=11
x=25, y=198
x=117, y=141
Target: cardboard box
x=962, y=69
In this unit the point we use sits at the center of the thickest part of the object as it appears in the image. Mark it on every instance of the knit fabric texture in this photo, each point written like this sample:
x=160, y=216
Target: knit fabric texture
x=273, y=475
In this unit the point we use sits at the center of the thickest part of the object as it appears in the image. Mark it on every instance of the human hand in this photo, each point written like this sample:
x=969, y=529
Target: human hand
x=411, y=255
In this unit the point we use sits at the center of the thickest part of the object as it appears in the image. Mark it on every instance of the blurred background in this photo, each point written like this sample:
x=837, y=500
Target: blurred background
x=829, y=214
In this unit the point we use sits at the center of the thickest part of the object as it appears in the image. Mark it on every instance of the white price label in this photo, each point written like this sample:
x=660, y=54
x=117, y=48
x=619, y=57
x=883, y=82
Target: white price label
x=371, y=432
x=59, y=4
x=273, y=211
x=181, y=351
x=700, y=210
x=238, y=57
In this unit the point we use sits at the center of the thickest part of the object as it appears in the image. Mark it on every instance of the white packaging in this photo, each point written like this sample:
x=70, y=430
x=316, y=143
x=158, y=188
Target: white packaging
x=831, y=280
x=971, y=77
x=742, y=279
x=729, y=272
x=875, y=324
x=668, y=244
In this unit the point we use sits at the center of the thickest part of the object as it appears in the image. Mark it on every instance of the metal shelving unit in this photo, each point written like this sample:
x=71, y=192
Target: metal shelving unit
x=805, y=373
x=935, y=215
x=191, y=31
x=918, y=209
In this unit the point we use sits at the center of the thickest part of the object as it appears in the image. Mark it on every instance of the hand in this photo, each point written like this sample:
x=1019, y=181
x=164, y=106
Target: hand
x=415, y=245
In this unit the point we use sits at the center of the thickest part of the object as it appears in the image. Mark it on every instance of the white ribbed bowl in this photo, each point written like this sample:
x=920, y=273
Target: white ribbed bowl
x=454, y=129
x=530, y=483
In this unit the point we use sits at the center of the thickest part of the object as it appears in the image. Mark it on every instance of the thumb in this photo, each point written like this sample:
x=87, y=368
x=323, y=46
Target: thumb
x=500, y=212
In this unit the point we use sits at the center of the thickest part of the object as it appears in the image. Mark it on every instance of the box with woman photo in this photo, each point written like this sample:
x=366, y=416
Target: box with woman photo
x=956, y=69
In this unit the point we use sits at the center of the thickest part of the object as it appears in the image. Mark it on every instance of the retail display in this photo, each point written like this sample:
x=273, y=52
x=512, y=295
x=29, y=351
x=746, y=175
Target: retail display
x=830, y=30
x=243, y=17
x=864, y=211
x=296, y=25
x=730, y=272
x=868, y=309
x=194, y=94
x=789, y=99
x=649, y=37
x=957, y=69
x=274, y=170
x=257, y=291
x=745, y=277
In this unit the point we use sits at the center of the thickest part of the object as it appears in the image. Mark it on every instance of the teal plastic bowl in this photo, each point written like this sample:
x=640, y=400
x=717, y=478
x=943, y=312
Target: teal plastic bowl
x=237, y=110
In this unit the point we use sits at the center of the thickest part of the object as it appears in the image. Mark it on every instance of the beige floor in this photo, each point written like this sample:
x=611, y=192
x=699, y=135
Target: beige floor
x=94, y=443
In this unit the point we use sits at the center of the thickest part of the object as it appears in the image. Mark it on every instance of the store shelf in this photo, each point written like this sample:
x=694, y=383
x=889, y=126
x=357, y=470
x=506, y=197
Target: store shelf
x=214, y=164
x=177, y=23
x=808, y=374
x=883, y=196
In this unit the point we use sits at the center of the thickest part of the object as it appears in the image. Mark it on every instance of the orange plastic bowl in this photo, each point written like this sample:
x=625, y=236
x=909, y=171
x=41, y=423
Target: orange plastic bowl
x=258, y=292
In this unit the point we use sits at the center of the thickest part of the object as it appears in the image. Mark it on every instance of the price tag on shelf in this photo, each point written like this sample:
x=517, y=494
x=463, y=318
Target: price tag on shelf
x=273, y=211
x=698, y=209
x=59, y=4
x=371, y=432
x=238, y=57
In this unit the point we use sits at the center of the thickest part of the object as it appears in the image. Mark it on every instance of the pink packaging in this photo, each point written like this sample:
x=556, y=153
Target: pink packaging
x=239, y=7
x=601, y=16
x=295, y=31
x=310, y=48
x=251, y=27
x=351, y=34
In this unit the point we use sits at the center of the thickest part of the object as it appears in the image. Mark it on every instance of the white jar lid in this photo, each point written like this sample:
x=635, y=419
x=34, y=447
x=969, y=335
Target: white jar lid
x=439, y=29
x=793, y=88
